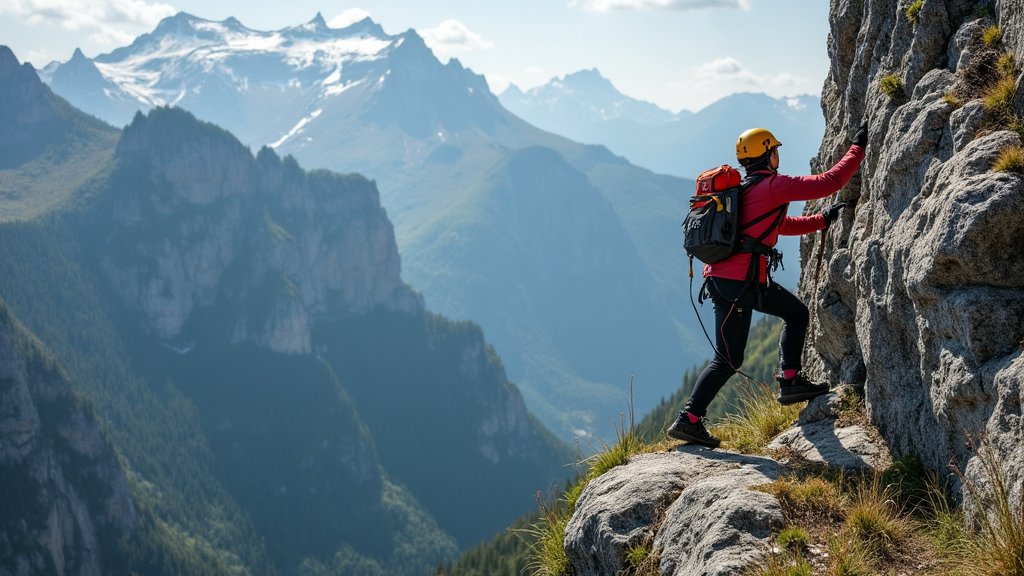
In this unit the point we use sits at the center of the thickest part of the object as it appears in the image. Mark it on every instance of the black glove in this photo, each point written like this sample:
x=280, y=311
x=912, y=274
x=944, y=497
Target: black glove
x=861, y=138
x=832, y=212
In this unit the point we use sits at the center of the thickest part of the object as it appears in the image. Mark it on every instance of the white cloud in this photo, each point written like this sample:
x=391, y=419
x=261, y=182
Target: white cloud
x=677, y=5
x=107, y=21
x=348, y=18
x=451, y=37
x=702, y=85
x=731, y=70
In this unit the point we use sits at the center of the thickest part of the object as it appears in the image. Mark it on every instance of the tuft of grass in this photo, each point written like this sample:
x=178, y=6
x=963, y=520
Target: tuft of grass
x=757, y=419
x=876, y=521
x=1006, y=65
x=547, y=554
x=1010, y=159
x=907, y=480
x=892, y=86
x=999, y=547
x=992, y=35
x=780, y=565
x=998, y=99
x=848, y=559
x=945, y=524
x=813, y=497
x=913, y=11
x=794, y=539
x=953, y=100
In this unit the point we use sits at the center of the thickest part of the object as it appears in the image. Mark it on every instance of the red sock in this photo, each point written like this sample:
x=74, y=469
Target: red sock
x=789, y=374
x=693, y=419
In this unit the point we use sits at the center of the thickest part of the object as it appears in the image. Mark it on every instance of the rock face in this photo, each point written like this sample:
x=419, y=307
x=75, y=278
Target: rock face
x=921, y=300
x=695, y=505
x=818, y=438
x=310, y=245
x=65, y=499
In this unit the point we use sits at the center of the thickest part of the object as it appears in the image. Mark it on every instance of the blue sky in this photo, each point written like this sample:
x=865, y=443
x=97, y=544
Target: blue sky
x=676, y=53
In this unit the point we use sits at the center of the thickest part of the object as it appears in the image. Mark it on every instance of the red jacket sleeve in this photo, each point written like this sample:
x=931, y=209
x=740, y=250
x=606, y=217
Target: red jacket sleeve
x=797, y=225
x=792, y=188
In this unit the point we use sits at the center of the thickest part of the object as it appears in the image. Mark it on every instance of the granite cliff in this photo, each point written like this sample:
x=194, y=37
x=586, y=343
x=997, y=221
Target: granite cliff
x=918, y=304
x=921, y=295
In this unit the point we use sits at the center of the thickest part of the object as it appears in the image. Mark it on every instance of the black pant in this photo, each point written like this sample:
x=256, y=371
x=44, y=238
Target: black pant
x=732, y=325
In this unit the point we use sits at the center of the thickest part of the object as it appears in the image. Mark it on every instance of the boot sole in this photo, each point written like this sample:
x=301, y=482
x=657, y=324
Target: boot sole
x=803, y=396
x=679, y=435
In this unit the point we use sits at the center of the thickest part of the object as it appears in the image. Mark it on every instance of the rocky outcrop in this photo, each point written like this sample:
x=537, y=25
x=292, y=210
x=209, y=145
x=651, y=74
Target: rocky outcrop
x=65, y=498
x=821, y=436
x=921, y=299
x=259, y=239
x=694, y=505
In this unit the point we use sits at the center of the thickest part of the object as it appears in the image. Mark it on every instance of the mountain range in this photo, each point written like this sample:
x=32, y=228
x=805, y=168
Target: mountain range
x=230, y=373
x=566, y=254
x=587, y=107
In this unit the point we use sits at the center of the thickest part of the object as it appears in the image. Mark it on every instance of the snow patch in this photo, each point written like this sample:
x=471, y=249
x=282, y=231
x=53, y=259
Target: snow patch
x=297, y=128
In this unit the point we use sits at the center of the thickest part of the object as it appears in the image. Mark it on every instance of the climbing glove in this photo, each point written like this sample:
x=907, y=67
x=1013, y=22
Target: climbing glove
x=832, y=212
x=861, y=138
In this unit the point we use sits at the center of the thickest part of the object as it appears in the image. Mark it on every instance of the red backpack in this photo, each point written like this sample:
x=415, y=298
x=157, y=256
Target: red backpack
x=711, y=230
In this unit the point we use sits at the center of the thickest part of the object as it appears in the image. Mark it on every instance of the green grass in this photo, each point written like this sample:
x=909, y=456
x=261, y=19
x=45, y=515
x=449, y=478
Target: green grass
x=892, y=86
x=913, y=11
x=757, y=419
x=794, y=539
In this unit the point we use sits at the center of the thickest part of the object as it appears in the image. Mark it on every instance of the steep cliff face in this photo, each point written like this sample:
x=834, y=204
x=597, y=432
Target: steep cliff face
x=207, y=225
x=64, y=497
x=921, y=296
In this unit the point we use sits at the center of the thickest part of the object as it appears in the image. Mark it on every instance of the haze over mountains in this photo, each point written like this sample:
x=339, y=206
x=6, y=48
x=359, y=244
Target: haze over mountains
x=586, y=107
x=568, y=256
x=212, y=363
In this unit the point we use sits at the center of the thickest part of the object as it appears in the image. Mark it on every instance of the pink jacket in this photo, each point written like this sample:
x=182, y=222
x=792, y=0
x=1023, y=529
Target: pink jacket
x=777, y=190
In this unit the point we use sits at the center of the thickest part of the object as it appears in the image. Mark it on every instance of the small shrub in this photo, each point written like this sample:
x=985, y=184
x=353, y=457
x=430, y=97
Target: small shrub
x=1010, y=159
x=992, y=35
x=952, y=100
x=892, y=86
x=913, y=11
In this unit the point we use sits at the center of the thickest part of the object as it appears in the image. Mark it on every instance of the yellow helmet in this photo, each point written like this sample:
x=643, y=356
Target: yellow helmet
x=755, y=143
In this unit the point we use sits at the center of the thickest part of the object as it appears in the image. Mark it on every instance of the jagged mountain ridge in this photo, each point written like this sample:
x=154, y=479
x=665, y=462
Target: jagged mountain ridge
x=213, y=282
x=432, y=135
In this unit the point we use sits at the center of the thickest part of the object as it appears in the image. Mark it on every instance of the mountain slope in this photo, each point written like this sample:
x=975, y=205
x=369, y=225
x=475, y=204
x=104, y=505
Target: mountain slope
x=196, y=292
x=433, y=137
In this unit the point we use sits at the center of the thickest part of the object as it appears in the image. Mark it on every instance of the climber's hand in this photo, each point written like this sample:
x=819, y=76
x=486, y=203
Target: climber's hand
x=861, y=138
x=832, y=212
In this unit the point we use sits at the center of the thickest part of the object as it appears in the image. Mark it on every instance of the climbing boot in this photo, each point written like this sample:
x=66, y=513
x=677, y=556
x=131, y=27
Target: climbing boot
x=692, y=432
x=798, y=389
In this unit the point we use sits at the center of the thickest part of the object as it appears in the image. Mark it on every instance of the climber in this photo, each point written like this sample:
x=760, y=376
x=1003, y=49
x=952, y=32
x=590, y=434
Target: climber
x=731, y=282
